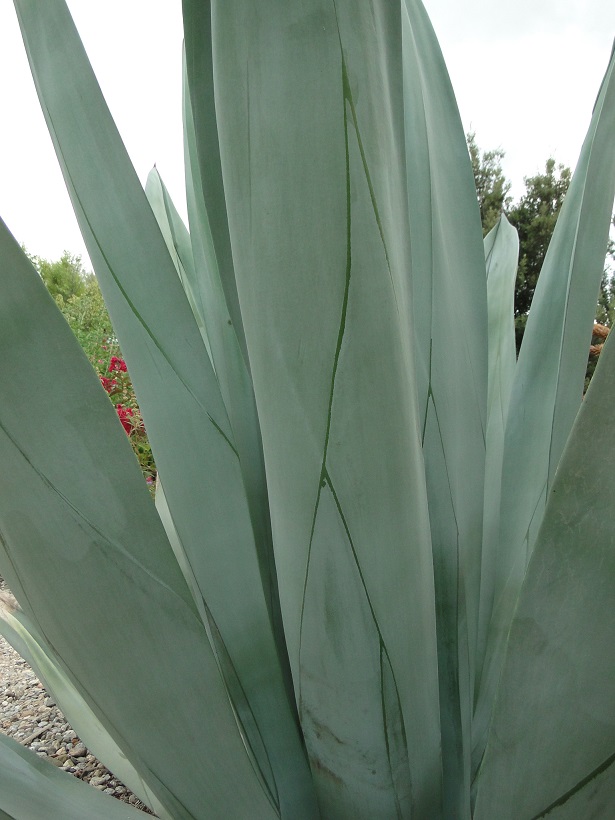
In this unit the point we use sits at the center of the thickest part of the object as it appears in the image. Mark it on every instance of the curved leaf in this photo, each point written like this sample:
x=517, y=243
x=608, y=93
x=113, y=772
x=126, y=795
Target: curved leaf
x=24, y=638
x=76, y=514
x=32, y=788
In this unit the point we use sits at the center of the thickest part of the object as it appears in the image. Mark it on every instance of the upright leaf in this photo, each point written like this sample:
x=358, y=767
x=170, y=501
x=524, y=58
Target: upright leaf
x=179, y=395
x=548, y=384
x=449, y=322
x=308, y=101
x=231, y=366
x=550, y=750
x=179, y=246
x=501, y=256
x=206, y=168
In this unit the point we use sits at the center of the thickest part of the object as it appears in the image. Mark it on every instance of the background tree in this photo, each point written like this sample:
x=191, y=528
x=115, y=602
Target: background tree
x=534, y=216
x=492, y=187
x=64, y=278
x=78, y=296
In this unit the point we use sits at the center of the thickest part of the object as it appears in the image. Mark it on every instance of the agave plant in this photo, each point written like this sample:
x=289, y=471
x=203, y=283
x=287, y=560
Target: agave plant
x=378, y=580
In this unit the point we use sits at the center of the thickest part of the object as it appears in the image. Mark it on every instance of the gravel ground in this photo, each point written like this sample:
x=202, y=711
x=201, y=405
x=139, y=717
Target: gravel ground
x=29, y=715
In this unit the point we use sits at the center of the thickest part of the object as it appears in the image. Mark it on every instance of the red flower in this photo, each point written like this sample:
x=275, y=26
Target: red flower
x=124, y=414
x=109, y=384
x=117, y=364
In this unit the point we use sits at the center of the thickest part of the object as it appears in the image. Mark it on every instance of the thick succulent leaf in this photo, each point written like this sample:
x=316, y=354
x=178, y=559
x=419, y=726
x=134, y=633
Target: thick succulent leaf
x=310, y=95
x=33, y=788
x=501, y=257
x=548, y=384
x=449, y=322
x=207, y=302
x=178, y=391
x=231, y=368
x=205, y=167
x=18, y=630
x=179, y=246
x=551, y=750
x=76, y=514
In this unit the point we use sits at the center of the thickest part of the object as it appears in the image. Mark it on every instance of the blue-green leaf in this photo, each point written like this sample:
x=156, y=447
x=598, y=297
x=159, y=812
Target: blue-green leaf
x=501, y=256
x=75, y=513
x=550, y=750
x=309, y=115
x=33, y=788
x=193, y=439
x=449, y=322
x=19, y=631
x=548, y=384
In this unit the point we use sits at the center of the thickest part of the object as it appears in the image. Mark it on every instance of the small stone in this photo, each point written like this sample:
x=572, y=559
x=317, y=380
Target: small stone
x=49, y=702
x=78, y=750
x=99, y=781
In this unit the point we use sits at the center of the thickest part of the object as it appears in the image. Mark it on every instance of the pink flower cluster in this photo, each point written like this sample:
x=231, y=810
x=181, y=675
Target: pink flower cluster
x=124, y=414
x=117, y=365
x=110, y=385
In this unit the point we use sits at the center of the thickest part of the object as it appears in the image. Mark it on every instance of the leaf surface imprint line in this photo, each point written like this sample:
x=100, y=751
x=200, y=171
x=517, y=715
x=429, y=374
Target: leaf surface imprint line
x=575, y=789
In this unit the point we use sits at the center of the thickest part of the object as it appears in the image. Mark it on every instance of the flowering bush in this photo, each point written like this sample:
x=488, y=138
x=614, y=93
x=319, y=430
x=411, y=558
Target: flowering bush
x=117, y=364
x=119, y=386
x=89, y=320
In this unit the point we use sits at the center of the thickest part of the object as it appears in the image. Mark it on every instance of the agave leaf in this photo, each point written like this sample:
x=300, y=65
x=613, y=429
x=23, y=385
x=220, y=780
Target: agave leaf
x=231, y=367
x=310, y=95
x=449, y=320
x=548, y=384
x=177, y=240
x=76, y=514
x=501, y=256
x=33, y=788
x=550, y=749
x=24, y=638
x=195, y=446
x=239, y=396
x=203, y=155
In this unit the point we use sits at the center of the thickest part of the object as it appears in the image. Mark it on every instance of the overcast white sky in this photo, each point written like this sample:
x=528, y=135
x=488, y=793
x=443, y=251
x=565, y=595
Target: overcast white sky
x=526, y=74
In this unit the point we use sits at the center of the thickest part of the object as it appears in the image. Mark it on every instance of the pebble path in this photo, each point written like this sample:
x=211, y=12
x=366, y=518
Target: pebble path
x=29, y=715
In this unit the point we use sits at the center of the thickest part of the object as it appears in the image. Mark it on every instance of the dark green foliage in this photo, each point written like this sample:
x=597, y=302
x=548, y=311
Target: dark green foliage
x=492, y=187
x=64, y=278
x=606, y=300
x=534, y=216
